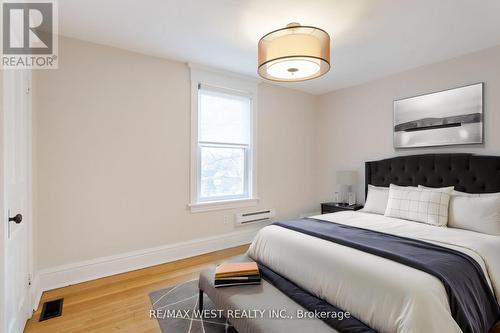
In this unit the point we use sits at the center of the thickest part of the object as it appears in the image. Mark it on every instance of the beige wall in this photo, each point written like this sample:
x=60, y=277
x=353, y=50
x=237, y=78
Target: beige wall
x=112, y=155
x=111, y=145
x=355, y=124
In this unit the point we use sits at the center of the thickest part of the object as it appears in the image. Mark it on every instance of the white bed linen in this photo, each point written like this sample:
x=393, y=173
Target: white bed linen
x=385, y=295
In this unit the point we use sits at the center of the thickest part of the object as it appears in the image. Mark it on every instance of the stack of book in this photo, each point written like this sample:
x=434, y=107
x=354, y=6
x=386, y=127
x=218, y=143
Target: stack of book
x=236, y=273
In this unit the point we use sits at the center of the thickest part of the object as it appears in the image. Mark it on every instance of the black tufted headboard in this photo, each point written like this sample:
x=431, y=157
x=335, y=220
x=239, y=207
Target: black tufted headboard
x=467, y=172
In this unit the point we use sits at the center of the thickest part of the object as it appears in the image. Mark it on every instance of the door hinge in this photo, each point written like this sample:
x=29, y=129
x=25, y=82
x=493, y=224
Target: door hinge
x=28, y=90
x=30, y=279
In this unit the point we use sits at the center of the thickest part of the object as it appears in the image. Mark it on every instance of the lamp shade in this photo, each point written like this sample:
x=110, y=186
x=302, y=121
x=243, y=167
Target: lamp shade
x=294, y=53
x=347, y=177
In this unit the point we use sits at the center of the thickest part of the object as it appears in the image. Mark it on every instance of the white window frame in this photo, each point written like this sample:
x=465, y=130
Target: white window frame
x=231, y=83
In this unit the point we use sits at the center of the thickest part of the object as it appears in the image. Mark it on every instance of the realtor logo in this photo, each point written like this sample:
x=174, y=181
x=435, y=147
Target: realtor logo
x=29, y=34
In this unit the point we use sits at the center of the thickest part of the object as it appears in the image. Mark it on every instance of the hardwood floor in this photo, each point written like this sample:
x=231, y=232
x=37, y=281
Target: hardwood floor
x=120, y=303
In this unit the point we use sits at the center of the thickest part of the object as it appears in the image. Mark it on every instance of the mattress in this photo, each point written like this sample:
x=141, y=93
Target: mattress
x=385, y=295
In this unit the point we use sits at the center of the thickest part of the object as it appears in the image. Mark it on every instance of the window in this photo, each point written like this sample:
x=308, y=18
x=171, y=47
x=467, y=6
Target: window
x=223, y=159
x=224, y=144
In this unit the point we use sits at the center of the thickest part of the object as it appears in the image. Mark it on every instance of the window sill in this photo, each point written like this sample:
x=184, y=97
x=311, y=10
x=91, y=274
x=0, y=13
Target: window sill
x=218, y=205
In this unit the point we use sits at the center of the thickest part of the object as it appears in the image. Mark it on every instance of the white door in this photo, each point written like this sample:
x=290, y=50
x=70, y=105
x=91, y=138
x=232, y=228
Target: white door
x=17, y=115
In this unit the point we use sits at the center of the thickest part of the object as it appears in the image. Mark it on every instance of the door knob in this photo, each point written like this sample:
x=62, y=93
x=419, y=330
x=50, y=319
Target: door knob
x=17, y=219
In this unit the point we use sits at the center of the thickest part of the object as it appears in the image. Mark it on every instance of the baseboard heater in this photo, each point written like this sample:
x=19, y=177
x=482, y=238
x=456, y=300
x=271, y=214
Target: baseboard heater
x=254, y=217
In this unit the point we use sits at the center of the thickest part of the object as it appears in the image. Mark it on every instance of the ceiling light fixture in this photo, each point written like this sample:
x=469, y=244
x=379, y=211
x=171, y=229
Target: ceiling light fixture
x=294, y=53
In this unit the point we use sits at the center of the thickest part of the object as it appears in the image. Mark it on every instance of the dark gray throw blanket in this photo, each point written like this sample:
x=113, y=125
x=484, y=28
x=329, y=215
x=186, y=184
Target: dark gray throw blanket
x=472, y=303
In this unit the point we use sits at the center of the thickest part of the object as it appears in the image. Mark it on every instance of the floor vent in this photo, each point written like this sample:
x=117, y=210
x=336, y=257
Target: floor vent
x=52, y=309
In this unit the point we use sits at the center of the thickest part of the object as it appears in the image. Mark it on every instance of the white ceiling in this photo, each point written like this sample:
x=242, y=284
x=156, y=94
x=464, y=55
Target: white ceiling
x=370, y=38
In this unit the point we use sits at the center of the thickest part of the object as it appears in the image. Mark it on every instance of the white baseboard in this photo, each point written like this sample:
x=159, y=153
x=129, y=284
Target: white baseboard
x=35, y=292
x=61, y=276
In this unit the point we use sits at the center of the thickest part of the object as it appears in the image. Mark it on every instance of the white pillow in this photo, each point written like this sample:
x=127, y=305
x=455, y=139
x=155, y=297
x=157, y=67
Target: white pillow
x=476, y=213
x=419, y=205
x=473, y=211
x=465, y=194
x=376, y=200
x=448, y=189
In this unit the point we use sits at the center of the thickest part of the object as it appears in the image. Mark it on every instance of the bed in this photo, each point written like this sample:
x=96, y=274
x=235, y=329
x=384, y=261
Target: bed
x=389, y=292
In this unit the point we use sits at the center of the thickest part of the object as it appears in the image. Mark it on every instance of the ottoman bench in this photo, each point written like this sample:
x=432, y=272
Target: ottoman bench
x=262, y=308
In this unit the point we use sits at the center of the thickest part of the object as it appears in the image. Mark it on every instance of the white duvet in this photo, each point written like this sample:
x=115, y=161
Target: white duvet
x=385, y=295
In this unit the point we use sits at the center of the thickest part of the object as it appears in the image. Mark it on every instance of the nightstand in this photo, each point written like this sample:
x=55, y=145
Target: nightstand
x=332, y=207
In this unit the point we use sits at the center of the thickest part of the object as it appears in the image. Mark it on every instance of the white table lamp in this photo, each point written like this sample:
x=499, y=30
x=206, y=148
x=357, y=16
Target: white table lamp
x=346, y=179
